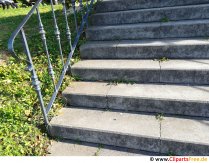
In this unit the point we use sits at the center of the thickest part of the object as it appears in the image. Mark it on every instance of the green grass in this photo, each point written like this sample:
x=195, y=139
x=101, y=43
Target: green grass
x=22, y=131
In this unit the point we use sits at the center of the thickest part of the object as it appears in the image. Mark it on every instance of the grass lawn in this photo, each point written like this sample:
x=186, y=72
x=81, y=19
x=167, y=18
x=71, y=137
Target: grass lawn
x=21, y=124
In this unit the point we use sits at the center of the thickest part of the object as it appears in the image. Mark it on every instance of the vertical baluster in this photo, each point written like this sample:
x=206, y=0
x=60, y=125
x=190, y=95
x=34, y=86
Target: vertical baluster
x=81, y=7
x=87, y=4
x=35, y=81
x=55, y=2
x=43, y=37
x=68, y=32
x=87, y=8
x=74, y=13
x=57, y=32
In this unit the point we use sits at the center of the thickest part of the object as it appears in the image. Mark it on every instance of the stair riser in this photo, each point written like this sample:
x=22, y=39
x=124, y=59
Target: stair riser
x=185, y=77
x=108, y=138
x=157, y=31
x=146, y=52
x=176, y=107
x=173, y=107
x=139, y=76
x=144, y=76
x=129, y=141
x=138, y=4
x=86, y=100
x=184, y=149
x=154, y=15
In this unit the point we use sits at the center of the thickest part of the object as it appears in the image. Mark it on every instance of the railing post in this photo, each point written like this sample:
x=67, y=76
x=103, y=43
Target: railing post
x=87, y=5
x=81, y=7
x=75, y=16
x=55, y=2
x=57, y=32
x=35, y=81
x=43, y=37
x=68, y=32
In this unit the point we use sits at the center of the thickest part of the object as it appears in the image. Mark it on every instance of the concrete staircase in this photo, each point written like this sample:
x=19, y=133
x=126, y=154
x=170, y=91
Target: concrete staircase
x=144, y=78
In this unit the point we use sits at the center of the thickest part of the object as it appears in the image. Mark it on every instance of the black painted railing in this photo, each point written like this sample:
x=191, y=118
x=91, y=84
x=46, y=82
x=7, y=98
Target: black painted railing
x=65, y=63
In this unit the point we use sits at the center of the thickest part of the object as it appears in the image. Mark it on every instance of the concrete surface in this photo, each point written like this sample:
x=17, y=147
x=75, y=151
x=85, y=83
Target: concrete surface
x=193, y=131
x=156, y=117
x=109, y=70
x=136, y=131
x=151, y=15
x=111, y=128
x=77, y=148
x=146, y=49
x=118, y=5
x=170, y=99
x=190, y=71
x=156, y=30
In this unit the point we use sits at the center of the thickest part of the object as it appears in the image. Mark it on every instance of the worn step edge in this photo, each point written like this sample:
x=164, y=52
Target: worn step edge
x=146, y=49
x=177, y=29
x=152, y=98
x=151, y=15
x=109, y=6
x=156, y=137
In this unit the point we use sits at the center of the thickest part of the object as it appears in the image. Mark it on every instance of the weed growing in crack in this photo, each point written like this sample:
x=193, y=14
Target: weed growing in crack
x=165, y=19
x=120, y=81
x=100, y=146
x=159, y=117
x=170, y=153
x=162, y=59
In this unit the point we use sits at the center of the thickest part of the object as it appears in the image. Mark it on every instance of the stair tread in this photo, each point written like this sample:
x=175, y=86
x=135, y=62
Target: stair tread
x=147, y=91
x=174, y=64
x=108, y=121
x=186, y=130
x=190, y=64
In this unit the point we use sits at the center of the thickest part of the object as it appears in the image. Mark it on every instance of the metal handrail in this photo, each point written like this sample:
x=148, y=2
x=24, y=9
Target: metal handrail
x=19, y=30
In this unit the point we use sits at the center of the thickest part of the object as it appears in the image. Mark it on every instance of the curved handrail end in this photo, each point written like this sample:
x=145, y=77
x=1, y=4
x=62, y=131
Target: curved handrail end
x=10, y=47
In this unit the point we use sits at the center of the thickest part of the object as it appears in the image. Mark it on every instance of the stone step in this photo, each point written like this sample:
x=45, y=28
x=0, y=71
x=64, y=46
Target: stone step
x=143, y=49
x=151, y=15
x=119, y=5
x=156, y=30
x=144, y=132
x=144, y=71
x=149, y=98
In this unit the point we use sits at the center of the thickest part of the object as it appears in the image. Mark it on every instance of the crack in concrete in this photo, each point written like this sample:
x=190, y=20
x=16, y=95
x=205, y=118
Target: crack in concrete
x=160, y=137
x=116, y=47
x=160, y=71
x=107, y=98
x=160, y=134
